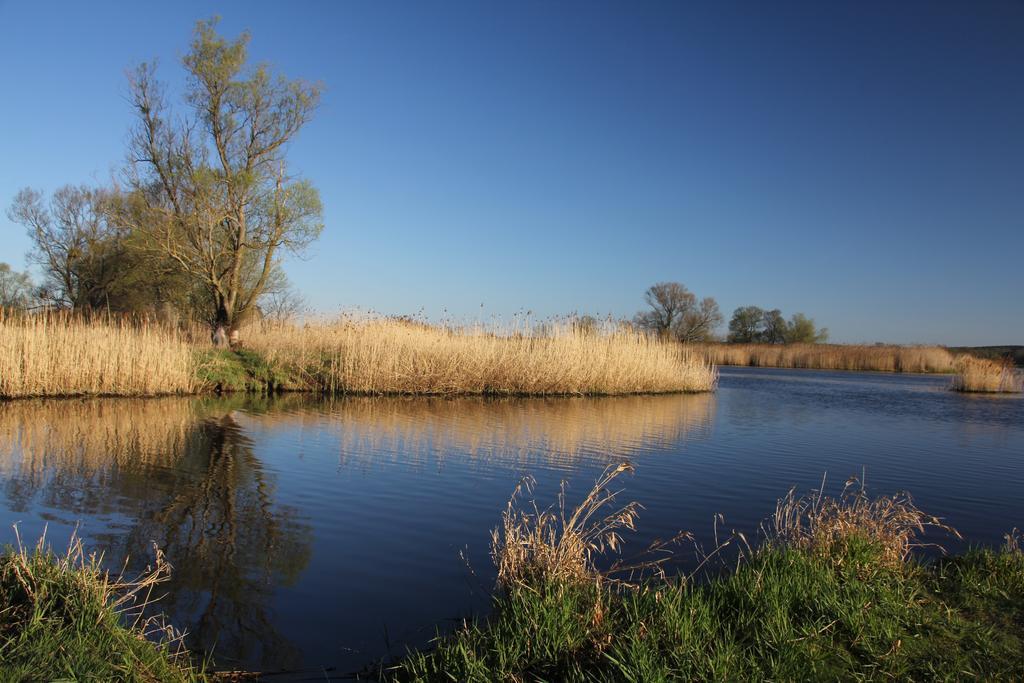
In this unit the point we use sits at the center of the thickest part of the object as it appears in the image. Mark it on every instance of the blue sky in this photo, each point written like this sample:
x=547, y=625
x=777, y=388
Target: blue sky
x=862, y=163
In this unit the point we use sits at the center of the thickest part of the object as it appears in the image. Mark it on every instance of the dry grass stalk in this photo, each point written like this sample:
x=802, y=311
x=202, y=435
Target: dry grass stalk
x=63, y=355
x=539, y=546
x=129, y=596
x=385, y=356
x=825, y=525
x=983, y=375
x=888, y=358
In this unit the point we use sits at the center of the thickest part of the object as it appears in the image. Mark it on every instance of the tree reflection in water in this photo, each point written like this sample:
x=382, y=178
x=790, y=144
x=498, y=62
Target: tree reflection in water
x=392, y=485
x=180, y=474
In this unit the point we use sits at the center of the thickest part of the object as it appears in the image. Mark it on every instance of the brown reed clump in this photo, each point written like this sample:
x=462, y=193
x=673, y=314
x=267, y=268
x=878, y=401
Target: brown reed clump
x=983, y=375
x=387, y=356
x=826, y=526
x=888, y=358
x=58, y=354
x=535, y=546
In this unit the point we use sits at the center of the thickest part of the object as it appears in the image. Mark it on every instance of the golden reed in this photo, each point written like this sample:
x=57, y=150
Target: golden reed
x=382, y=356
x=60, y=354
x=56, y=354
x=988, y=376
x=889, y=358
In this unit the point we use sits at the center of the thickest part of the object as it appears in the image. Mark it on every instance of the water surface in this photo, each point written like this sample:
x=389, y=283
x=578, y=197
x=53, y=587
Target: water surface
x=309, y=534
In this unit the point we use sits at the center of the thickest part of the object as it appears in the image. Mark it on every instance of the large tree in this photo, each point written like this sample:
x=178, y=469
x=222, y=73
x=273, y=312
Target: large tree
x=210, y=191
x=674, y=313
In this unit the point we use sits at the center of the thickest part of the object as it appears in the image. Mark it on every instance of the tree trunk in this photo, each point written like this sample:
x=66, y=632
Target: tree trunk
x=220, y=337
x=221, y=326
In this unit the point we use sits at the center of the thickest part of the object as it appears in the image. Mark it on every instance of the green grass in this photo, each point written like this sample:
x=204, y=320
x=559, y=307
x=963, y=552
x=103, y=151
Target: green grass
x=230, y=370
x=784, y=615
x=63, y=618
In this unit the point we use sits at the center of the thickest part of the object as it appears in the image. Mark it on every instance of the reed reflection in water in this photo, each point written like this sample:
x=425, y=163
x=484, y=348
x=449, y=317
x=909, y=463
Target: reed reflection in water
x=178, y=473
x=554, y=433
x=221, y=486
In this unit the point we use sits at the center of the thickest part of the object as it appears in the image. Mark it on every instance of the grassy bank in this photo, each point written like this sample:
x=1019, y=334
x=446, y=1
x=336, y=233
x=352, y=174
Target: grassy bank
x=61, y=355
x=889, y=358
x=832, y=592
x=63, y=618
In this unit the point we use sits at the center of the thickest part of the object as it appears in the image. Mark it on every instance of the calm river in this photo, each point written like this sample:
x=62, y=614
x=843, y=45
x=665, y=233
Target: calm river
x=310, y=534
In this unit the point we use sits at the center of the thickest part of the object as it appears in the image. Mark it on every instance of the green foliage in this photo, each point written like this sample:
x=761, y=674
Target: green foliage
x=243, y=370
x=753, y=325
x=746, y=325
x=801, y=330
x=62, y=620
x=783, y=615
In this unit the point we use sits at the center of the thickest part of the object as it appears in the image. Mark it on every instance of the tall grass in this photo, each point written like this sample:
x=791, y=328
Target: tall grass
x=832, y=593
x=826, y=526
x=987, y=376
x=888, y=358
x=384, y=356
x=65, y=355
x=65, y=618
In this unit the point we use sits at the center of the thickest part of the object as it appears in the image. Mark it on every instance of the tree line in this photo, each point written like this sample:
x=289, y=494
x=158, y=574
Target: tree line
x=674, y=312
x=201, y=213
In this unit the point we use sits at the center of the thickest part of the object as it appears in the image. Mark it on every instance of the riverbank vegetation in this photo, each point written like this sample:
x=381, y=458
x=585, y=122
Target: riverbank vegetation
x=63, y=355
x=986, y=376
x=833, y=591
x=385, y=356
x=65, y=618
x=878, y=358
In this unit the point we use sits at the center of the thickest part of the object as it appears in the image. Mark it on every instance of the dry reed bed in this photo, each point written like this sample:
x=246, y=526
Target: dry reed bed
x=396, y=357
x=59, y=355
x=988, y=376
x=832, y=357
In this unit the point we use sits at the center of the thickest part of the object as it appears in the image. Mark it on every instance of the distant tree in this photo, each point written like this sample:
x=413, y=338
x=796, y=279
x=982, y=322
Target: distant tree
x=87, y=258
x=669, y=302
x=801, y=329
x=774, y=328
x=15, y=288
x=73, y=243
x=675, y=313
x=746, y=325
x=699, y=324
x=210, y=192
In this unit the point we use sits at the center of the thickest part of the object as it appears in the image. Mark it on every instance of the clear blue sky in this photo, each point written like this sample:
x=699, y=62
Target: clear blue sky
x=862, y=163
